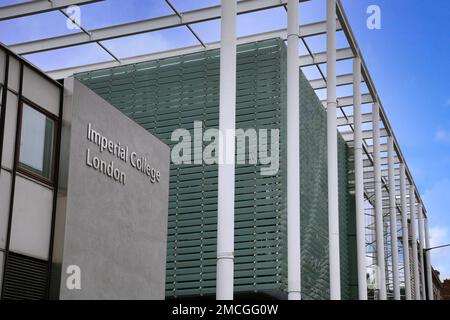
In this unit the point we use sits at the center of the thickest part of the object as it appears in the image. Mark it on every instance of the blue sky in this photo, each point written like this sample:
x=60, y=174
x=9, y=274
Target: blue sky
x=408, y=60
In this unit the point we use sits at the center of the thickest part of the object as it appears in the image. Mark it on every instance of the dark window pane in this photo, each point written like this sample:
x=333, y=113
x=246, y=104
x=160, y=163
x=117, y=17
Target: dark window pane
x=36, y=142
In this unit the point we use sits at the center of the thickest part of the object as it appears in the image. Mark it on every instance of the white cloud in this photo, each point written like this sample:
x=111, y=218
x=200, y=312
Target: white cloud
x=437, y=200
x=442, y=135
x=438, y=236
x=440, y=257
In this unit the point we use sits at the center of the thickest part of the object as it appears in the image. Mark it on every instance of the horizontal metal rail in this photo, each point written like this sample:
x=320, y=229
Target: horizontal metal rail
x=38, y=6
x=143, y=26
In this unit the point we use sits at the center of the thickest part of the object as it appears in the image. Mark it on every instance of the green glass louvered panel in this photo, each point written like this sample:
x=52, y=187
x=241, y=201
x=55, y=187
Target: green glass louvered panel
x=347, y=225
x=168, y=94
x=172, y=93
x=313, y=201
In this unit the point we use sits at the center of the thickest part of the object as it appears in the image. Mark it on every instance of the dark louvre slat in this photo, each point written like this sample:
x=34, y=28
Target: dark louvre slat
x=25, y=278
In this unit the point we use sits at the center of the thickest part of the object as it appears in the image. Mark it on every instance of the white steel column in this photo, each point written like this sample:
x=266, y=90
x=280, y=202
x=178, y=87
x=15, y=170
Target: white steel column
x=333, y=203
x=412, y=213
x=405, y=232
x=393, y=216
x=421, y=246
x=293, y=154
x=428, y=260
x=227, y=112
x=359, y=182
x=379, y=225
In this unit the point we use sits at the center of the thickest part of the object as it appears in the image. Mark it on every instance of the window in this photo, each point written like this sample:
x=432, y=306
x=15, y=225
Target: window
x=36, y=143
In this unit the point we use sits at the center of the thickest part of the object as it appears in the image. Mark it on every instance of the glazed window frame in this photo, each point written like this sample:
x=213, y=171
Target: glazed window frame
x=47, y=174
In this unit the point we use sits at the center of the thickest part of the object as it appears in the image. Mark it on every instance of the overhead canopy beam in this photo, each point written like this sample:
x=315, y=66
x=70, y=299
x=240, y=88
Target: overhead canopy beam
x=321, y=57
x=306, y=31
x=348, y=120
x=154, y=24
x=368, y=174
x=385, y=194
x=348, y=101
x=383, y=162
x=383, y=148
x=38, y=6
x=341, y=80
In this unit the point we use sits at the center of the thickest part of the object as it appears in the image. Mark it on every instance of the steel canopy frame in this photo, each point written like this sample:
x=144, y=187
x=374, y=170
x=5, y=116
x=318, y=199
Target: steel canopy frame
x=308, y=30
x=372, y=89
x=211, y=13
x=133, y=28
x=38, y=6
x=400, y=172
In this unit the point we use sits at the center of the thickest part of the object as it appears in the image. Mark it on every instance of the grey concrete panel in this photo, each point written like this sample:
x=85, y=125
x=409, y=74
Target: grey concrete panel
x=31, y=219
x=14, y=74
x=40, y=90
x=114, y=232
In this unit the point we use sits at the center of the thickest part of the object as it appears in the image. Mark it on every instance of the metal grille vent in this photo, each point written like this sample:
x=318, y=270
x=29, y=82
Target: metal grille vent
x=25, y=278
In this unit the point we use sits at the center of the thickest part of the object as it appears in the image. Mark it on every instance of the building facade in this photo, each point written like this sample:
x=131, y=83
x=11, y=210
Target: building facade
x=437, y=285
x=30, y=134
x=84, y=193
x=445, y=290
x=331, y=212
x=168, y=94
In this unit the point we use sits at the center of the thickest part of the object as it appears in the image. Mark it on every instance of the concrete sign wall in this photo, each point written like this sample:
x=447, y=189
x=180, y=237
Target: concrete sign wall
x=111, y=224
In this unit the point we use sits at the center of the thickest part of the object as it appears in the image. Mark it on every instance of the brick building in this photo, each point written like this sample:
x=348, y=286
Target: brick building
x=445, y=290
